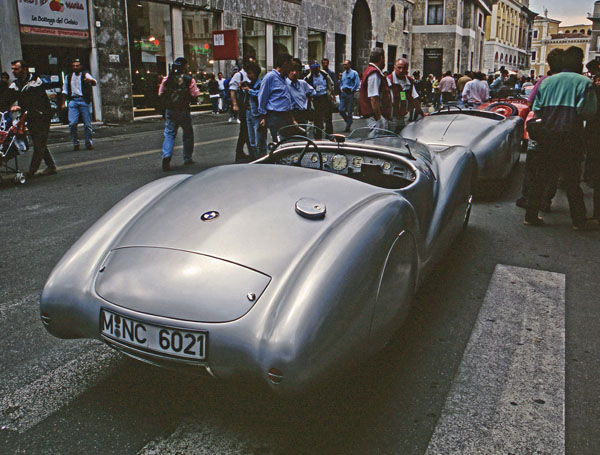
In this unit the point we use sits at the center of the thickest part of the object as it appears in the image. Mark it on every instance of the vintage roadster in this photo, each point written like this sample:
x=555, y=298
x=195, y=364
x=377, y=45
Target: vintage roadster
x=288, y=269
x=494, y=138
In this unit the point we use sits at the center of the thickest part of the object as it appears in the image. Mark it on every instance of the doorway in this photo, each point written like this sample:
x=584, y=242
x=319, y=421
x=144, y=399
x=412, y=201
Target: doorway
x=432, y=62
x=362, y=33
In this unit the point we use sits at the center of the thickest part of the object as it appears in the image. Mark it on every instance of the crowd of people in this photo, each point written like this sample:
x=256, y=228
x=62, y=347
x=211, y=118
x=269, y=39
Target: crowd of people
x=294, y=93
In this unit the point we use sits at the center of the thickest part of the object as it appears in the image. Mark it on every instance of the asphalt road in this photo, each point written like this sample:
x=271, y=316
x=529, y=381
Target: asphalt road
x=71, y=397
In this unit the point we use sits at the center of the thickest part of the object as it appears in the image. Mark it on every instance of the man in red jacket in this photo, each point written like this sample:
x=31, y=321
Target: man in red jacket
x=375, y=94
x=405, y=96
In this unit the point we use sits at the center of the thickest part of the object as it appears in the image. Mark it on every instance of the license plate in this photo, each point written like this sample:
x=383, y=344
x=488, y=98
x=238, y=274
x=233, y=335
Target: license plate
x=185, y=344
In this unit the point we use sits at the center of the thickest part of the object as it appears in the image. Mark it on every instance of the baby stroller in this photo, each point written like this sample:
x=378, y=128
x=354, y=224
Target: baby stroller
x=13, y=142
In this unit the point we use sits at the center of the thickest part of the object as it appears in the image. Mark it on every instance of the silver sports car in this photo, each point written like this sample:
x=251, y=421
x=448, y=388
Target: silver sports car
x=286, y=269
x=494, y=139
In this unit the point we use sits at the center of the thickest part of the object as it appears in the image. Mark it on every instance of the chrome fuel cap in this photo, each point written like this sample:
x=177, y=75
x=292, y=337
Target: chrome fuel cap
x=310, y=208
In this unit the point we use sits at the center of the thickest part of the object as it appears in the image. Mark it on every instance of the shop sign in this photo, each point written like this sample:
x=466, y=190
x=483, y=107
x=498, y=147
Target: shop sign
x=149, y=46
x=54, y=17
x=225, y=45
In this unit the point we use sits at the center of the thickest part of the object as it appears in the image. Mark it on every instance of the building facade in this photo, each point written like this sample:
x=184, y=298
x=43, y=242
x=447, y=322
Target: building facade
x=547, y=35
x=507, y=37
x=595, y=32
x=449, y=35
x=130, y=44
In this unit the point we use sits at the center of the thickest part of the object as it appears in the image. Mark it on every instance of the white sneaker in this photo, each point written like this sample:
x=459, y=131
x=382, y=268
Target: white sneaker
x=230, y=119
x=238, y=120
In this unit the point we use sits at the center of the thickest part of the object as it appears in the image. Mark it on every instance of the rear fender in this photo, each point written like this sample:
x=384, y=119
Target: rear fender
x=321, y=316
x=396, y=289
x=457, y=169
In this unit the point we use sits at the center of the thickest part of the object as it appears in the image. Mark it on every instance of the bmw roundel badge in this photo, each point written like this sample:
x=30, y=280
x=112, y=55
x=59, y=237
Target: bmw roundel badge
x=209, y=216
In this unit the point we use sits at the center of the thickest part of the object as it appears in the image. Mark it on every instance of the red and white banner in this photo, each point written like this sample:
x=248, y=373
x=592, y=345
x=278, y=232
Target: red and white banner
x=53, y=14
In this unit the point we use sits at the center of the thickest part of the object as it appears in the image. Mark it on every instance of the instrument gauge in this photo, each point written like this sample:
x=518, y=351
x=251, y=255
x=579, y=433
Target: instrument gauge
x=386, y=166
x=339, y=162
x=294, y=158
x=314, y=158
x=358, y=161
x=324, y=158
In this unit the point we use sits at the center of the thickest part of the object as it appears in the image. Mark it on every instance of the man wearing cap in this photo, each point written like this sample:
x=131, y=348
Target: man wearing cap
x=322, y=99
x=349, y=85
x=177, y=91
x=77, y=89
x=375, y=94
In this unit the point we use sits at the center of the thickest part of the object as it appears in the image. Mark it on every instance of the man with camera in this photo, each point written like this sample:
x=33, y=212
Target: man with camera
x=177, y=90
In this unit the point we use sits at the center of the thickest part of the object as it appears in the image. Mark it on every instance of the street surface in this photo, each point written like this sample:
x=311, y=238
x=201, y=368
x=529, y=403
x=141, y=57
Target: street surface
x=79, y=396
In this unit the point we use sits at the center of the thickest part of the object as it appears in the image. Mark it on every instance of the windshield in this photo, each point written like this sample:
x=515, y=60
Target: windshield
x=304, y=130
x=381, y=138
x=362, y=134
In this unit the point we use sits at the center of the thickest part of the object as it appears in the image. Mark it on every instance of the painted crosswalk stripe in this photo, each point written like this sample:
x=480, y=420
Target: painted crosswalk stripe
x=509, y=393
x=22, y=409
x=211, y=436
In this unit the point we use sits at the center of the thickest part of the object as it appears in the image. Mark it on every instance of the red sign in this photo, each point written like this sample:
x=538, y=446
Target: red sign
x=225, y=45
x=54, y=32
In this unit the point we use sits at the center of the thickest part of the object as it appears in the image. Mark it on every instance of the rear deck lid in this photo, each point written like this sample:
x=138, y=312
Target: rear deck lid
x=179, y=284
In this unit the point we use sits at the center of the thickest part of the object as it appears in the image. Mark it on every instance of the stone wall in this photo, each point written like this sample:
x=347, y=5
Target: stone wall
x=10, y=44
x=114, y=78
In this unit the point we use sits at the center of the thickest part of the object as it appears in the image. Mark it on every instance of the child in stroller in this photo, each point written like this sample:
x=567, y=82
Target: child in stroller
x=13, y=142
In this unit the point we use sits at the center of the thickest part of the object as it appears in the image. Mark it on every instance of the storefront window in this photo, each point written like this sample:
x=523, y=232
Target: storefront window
x=197, y=41
x=254, y=42
x=150, y=46
x=283, y=40
x=316, y=45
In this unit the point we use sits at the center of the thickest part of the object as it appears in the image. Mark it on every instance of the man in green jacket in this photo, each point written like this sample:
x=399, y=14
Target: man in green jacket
x=563, y=102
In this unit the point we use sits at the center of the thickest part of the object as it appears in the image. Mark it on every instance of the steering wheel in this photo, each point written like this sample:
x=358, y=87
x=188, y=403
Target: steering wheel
x=309, y=144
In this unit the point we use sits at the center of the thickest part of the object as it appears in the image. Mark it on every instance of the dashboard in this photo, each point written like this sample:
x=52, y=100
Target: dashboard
x=350, y=164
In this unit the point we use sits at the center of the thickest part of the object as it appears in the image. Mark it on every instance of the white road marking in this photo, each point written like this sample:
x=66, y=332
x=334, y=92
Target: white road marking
x=22, y=409
x=509, y=393
x=136, y=154
x=17, y=305
x=206, y=438
x=147, y=152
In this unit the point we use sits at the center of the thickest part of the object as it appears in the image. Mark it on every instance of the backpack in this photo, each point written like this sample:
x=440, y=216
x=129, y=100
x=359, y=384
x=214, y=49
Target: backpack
x=177, y=92
x=226, y=90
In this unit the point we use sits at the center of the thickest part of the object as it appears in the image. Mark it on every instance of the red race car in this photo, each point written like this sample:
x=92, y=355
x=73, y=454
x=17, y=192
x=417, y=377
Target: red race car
x=510, y=107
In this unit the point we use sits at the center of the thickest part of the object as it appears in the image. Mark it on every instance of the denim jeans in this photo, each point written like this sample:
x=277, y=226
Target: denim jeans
x=256, y=136
x=173, y=120
x=80, y=110
x=346, y=107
